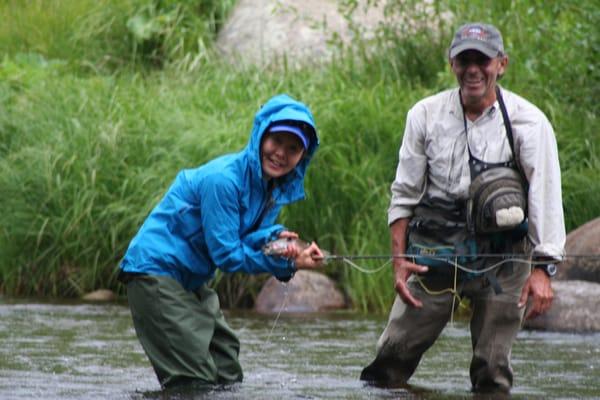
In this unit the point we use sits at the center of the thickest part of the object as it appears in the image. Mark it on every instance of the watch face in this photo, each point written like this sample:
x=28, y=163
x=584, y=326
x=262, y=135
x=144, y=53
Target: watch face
x=551, y=269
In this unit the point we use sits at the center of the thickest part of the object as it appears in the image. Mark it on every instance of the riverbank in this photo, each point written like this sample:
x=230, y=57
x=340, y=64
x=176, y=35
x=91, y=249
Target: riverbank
x=88, y=146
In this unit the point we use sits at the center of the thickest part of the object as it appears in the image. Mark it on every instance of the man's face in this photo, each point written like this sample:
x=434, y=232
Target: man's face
x=477, y=74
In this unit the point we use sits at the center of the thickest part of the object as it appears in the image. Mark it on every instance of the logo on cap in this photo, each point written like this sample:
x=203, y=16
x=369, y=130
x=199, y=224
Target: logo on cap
x=474, y=32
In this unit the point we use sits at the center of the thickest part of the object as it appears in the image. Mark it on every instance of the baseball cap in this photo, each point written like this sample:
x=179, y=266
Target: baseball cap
x=477, y=36
x=294, y=130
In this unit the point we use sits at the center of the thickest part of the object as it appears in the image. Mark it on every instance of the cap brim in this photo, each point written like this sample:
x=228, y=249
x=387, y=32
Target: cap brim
x=293, y=130
x=473, y=45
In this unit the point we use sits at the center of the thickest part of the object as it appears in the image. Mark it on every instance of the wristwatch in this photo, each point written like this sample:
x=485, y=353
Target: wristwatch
x=549, y=269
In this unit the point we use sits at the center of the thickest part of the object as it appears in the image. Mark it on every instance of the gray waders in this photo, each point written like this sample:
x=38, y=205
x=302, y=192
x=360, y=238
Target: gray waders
x=495, y=322
x=184, y=334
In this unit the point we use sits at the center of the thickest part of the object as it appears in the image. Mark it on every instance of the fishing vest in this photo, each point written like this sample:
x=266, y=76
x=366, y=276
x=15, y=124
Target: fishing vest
x=492, y=218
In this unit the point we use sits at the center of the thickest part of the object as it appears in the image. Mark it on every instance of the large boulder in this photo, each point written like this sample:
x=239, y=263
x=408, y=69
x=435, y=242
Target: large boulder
x=260, y=31
x=576, y=308
x=584, y=240
x=307, y=291
x=309, y=32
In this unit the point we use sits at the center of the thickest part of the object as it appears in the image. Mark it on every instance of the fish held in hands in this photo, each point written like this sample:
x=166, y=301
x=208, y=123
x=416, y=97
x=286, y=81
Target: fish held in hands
x=278, y=246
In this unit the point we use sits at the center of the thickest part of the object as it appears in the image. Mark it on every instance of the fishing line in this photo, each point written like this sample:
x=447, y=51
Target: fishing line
x=287, y=292
x=483, y=255
x=491, y=267
x=283, y=304
x=453, y=263
x=507, y=257
x=366, y=270
x=451, y=259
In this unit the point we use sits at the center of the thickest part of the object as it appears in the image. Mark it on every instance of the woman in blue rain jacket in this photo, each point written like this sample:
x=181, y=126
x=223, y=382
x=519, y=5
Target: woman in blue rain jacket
x=218, y=215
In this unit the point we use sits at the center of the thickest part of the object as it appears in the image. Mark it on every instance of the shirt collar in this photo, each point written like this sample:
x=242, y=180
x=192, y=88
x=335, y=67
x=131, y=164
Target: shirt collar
x=456, y=108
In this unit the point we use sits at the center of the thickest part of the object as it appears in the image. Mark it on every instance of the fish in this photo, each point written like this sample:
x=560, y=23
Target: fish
x=277, y=247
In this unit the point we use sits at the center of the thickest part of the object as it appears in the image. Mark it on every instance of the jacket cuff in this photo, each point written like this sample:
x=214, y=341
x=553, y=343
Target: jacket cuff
x=290, y=272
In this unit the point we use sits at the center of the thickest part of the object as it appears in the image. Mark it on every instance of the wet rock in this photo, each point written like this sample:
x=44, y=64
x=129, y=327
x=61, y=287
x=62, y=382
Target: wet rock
x=576, y=308
x=100, y=295
x=583, y=240
x=307, y=291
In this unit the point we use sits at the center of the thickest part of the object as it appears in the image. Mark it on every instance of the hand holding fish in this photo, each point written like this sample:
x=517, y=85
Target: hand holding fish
x=288, y=235
x=306, y=255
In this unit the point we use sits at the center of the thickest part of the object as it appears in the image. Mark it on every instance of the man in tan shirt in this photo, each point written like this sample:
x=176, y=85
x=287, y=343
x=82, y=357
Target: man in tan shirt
x=449, y=139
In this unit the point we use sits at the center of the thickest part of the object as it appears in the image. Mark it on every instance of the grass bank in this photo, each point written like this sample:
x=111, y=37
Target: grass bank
x=86, y=152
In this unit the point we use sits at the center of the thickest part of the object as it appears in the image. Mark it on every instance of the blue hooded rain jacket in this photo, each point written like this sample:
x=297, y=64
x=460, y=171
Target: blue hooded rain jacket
x=207, y=219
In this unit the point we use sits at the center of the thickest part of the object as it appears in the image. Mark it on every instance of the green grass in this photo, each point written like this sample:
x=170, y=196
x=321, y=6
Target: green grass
x=92, y=133
x=101, y=36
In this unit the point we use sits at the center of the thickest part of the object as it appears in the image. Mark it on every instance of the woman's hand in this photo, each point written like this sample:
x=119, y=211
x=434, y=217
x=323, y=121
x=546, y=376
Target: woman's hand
x=310, y=258
x=288, y=235
x=292, y=250
x=305, y=258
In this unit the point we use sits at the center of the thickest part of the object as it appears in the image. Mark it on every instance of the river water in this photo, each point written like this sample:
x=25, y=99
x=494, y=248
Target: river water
x=88, y=351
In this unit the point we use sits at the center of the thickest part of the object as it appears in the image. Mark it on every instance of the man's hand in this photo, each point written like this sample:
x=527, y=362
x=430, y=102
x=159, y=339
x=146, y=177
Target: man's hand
x=538, y=286
x=403, y=269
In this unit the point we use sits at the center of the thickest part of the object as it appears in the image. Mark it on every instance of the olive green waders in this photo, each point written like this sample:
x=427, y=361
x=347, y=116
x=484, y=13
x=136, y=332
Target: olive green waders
x=494, y=325
x=184, y=334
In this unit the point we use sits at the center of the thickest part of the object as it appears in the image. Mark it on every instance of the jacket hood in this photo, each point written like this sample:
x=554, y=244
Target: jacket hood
x=278, y=109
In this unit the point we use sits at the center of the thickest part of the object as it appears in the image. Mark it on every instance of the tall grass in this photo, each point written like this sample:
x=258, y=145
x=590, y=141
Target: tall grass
x=108, y=35
x=84, y=157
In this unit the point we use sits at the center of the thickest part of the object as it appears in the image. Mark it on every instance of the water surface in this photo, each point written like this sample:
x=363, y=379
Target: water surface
x=86, y=351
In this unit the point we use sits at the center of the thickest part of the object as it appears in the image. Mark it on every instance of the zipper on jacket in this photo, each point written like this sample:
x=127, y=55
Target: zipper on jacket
x=270, y=201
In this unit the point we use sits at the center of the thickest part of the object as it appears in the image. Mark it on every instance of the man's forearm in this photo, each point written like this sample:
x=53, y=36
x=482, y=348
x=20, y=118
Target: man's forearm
x=398, y=231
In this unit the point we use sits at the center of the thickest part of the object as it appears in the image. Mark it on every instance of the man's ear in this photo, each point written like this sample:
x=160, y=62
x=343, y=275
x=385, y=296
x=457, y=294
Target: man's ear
x=503, y=66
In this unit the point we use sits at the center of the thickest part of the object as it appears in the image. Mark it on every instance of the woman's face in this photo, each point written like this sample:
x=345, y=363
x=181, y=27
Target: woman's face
x=280, y=153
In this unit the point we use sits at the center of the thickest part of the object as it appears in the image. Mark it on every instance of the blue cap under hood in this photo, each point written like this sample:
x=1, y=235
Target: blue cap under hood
x=278, y=109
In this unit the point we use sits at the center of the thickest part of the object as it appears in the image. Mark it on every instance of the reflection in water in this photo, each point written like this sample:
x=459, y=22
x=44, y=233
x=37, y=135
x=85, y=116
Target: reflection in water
x=55, y=351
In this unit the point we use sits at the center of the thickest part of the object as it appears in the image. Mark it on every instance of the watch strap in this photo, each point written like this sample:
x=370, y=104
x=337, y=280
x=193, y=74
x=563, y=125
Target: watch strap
x=549, y=269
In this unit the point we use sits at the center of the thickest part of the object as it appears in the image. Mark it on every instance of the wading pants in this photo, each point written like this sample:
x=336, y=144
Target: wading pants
x=184, y=334
x=494, y=325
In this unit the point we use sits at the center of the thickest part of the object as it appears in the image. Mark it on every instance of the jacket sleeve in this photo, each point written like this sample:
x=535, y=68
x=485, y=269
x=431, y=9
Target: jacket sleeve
x=221, y=215
x=259, y=238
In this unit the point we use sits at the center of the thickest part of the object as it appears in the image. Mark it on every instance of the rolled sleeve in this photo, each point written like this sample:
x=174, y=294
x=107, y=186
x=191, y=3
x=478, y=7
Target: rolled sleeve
x=539, y=158
x=409, y=183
